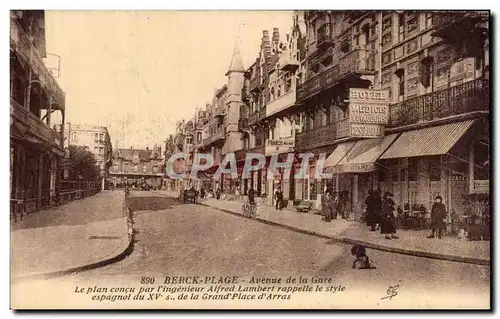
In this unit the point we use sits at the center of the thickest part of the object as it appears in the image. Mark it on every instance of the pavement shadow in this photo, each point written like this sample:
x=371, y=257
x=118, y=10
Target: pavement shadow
x=151, y=203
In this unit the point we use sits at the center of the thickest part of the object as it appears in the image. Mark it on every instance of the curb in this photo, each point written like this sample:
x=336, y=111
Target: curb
x=347, y=240
x=120, y=256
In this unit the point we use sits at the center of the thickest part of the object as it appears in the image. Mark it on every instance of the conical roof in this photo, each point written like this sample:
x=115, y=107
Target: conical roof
x=236, y=62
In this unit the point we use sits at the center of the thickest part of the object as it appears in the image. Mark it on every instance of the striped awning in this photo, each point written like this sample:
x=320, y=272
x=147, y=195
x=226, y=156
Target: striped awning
x=338, y=154
x=430, y=141
x=363, y=155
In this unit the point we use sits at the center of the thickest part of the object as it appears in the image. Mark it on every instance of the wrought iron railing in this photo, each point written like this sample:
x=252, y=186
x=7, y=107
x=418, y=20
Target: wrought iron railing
x=467, y=97
x=324, y=34
x=356, y=61
x=323, y=135
x=24, y=46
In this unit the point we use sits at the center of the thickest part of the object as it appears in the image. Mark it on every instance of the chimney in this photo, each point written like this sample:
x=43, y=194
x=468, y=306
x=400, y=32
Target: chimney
x=276, y=37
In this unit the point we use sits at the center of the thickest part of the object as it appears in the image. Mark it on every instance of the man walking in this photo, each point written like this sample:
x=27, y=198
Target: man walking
x=438, y=215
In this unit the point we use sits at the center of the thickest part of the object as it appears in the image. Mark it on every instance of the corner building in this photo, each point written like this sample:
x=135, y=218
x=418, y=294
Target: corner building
x=429, y=71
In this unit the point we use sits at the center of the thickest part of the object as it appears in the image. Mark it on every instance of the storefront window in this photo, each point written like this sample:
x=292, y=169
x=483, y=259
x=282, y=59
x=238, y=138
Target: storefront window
x=412, y=169
x=435, y=170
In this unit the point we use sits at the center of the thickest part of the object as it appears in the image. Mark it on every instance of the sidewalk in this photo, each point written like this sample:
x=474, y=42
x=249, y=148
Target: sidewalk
x=79, y=234
x=411, y=242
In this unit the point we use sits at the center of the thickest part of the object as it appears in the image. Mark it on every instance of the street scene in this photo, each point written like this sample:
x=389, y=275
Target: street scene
x=322, y=160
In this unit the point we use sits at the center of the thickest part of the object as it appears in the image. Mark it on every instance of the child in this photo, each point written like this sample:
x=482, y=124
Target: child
x=362, y=261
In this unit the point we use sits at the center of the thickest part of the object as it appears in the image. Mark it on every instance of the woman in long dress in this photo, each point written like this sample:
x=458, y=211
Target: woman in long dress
x=388, y=218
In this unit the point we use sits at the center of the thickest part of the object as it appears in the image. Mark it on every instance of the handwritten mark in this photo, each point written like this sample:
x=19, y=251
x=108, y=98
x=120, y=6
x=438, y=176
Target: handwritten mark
x=391, y=292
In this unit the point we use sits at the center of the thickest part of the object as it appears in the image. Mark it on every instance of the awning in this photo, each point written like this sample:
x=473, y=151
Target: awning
x=363, y=155
x=338, y=154
x=430, y=141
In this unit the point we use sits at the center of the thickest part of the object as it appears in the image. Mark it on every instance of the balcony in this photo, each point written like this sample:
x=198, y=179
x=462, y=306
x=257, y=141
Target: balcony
x=464, y=98
x=357, y=61
x=324, y=36
x=214, y=138
x=253, y=118
x=219, y=112
x=256, y=84
x=243, y=125
x=18, y=112
x=38, y=128
x=20, y=42
x=245, y=93
x=281, y=103
x=289, y=61
x=454, y=23
x=322, y=136
x=309, y=88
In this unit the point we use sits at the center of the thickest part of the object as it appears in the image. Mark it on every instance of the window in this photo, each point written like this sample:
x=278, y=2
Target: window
x=136, y=168
x=426, y=72
x=101, y=150
x=96, y=137
x=74, y=137
x=144, y=168
x=428, y=20
x=412, y=169
x=435, y=170
x=400, y=73
x=96, y=150
x=401, y=26
x=155, y=169
x=101, y=137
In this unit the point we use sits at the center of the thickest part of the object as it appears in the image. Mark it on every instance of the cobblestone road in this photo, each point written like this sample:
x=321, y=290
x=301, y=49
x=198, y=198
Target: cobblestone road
x=174, y=239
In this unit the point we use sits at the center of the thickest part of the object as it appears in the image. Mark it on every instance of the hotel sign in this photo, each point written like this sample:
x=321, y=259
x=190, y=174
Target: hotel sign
x=368, y=112
x=366, y=130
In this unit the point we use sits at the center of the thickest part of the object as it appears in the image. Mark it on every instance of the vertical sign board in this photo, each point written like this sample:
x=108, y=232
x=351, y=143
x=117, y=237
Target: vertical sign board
x=368, y=112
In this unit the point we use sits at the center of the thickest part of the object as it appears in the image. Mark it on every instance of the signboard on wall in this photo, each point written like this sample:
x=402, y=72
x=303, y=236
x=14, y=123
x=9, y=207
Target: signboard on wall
x=481, y=186
x=368, y=112
x=279, y=146
x=366, y=130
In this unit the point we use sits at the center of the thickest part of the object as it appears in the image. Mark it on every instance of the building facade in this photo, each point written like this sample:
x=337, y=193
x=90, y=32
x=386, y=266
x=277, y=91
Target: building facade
x=37, y=108
x=136, y=167
x=394, y=100
x=96, y=140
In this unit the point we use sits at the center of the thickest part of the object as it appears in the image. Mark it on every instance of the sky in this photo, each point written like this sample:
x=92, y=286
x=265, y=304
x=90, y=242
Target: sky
x=138, y=72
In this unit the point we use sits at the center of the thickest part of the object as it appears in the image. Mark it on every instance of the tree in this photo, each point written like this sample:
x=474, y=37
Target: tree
x=82, y=164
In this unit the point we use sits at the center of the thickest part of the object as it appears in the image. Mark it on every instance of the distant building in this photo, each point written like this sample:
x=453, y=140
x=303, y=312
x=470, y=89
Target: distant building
x=95, y=139
x=136, y=166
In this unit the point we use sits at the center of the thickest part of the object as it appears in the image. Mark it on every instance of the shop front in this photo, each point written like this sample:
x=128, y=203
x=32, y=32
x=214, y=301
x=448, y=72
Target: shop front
x=355, y=169
x=438, y=160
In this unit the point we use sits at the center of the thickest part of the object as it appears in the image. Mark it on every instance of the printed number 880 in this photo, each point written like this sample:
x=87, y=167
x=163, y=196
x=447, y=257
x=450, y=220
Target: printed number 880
x=147, y=280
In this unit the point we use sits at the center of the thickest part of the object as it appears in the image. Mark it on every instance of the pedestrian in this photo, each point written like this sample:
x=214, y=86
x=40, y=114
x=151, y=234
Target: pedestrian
x=217, y=193
x=327, y=206
x=279, y=199
x=388, y=218
x=335, y=204
x=202, y=193
x=438, y=215
x=373, y=204
x=251, y=196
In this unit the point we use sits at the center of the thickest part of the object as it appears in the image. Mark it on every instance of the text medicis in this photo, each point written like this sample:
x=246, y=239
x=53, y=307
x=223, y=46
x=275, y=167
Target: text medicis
x=369, y=113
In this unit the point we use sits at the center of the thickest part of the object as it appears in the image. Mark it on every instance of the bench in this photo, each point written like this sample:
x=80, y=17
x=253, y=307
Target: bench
x=190, y=196
x=304, y=206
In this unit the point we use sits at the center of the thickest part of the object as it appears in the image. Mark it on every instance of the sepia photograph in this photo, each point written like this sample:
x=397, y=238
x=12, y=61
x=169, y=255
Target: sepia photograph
x=251, y=159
